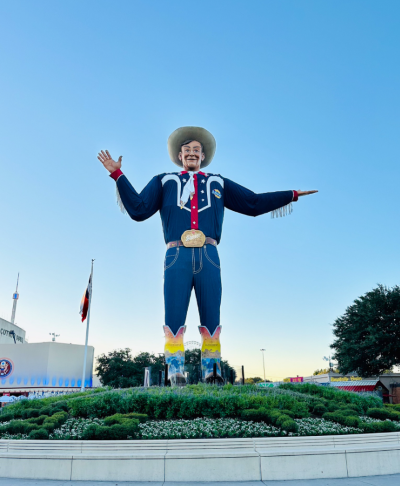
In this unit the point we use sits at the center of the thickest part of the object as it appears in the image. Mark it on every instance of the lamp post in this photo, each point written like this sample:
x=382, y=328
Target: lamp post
x=262, y=351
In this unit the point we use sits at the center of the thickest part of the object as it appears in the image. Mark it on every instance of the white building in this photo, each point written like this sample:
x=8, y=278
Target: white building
x=44, y=366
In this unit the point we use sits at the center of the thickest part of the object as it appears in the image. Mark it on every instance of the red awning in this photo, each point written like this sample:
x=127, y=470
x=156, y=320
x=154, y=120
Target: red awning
x=357, y=388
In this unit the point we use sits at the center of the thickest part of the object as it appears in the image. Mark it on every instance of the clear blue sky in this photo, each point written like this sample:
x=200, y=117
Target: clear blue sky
x=298, y=94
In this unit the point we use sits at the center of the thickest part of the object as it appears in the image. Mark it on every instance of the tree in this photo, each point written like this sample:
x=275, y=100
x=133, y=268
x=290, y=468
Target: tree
x=119, y=369
x=253, y=381
x=323, y=371
x=368, y=334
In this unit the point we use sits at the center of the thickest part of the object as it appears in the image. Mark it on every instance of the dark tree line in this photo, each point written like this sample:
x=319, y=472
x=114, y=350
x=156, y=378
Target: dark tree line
x=119, y=369
x=368, y=334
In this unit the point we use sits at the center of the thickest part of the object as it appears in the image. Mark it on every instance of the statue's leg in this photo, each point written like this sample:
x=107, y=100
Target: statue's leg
x=178, y=282
x=208, y=288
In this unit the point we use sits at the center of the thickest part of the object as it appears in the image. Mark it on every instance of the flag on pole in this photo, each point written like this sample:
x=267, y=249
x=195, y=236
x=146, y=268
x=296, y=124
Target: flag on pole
x=85, y=300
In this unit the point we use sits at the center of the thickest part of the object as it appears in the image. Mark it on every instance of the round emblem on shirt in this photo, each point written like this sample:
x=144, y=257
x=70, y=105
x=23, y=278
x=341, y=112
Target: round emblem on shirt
x=217, y=193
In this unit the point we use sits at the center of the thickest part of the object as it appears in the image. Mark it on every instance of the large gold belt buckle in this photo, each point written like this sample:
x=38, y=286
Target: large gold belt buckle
x=193, y=239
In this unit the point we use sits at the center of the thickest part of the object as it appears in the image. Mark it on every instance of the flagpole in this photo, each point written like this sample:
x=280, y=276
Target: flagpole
x=87, y=328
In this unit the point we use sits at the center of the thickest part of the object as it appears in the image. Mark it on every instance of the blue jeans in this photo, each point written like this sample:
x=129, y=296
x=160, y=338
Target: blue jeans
x=187, y=268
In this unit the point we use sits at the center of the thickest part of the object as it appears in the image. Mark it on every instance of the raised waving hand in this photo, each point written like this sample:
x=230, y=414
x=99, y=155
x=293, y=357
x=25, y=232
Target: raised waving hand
x=108, y=162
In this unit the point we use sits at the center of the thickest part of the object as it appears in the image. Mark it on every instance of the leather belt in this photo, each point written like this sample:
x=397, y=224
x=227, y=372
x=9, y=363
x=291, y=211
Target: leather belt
x=173, y=244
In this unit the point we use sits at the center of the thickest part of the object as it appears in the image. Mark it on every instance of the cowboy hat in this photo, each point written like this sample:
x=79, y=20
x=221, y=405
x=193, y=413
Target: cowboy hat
x=180, y=135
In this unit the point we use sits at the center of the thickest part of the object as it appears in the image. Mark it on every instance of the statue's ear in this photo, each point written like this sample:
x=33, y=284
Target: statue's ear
x=203, y=155
x=180, y=156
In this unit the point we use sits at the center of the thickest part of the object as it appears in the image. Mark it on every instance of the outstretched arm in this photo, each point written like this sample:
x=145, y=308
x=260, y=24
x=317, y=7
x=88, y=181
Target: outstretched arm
x=242, y=200
x=139, y=206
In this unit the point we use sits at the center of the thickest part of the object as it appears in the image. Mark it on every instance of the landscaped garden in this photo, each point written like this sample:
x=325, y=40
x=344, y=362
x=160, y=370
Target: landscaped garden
x=198, y=411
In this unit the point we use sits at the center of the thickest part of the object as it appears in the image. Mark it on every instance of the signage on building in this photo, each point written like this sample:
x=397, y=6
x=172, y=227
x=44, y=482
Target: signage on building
x=347, y=378
x=265, y=385
x=297, y=379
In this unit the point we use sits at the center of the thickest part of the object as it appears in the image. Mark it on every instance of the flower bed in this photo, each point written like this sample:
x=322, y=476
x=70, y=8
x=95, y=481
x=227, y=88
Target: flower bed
x=198, y=411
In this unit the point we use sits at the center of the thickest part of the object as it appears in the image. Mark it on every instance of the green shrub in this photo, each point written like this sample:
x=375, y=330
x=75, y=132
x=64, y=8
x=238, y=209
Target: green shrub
x=37, y=420
x=29, y=413
x=333, y=406
x=289, y=413
x=319, y=409
x=332, y=394
x=46, y=411
x=377, y=427
x=90, y=432
x=142, y=417
x=256, y=415
x=347, y=421
x=191, y=402
x=120, y=418
x=383, y=414
x=128, y=429
x=289, y=425
x=347, y=412
x=50, y=427
x=30, y=427
x=6, y=417
x=352, y=406
x=393, y=406
x=57, y=419
x=62, y=406
x=16, y=427
x=40, y=434
x=273, y=417
x=55, y=410
x=19, y=427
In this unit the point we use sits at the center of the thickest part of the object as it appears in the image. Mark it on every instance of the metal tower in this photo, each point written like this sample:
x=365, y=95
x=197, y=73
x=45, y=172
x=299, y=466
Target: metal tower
x=15, y=298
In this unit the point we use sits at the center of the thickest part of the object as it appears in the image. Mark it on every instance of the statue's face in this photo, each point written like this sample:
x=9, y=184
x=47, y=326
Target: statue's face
x=191, y=156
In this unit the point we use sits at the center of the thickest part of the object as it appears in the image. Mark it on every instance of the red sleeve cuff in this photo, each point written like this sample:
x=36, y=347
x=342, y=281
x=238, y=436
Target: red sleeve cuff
x=117, y=173
x=295, y=193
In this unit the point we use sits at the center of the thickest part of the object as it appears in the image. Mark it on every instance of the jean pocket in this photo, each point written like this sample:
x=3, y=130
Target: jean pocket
x=170, y=257
x=211, y=253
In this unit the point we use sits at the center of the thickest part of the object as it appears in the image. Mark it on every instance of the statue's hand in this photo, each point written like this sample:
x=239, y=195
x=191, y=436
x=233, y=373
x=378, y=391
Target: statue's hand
x=110, y=164
x=305, y=193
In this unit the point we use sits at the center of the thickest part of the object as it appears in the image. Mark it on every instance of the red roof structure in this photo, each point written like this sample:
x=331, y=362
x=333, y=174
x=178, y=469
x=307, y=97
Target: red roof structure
x=357, y=386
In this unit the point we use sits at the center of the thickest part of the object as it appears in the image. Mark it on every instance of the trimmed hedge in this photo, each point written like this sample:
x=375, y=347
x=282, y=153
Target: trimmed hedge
x=347, y=421
x=126, y=430
x=383, y=414
x=273, y=417
x=40, y=434
x=393, y=406
x=44, y=422
x=319, y=409
x=332, y=394
x=120, y=418
x=181, y=406
x=378, y=427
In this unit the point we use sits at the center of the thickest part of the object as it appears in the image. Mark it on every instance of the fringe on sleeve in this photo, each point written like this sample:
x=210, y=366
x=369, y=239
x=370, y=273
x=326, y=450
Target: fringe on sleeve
x=283, y=211
x=119, y=201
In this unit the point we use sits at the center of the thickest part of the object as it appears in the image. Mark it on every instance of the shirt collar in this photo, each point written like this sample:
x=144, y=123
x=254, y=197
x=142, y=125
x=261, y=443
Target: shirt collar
x=186, y=172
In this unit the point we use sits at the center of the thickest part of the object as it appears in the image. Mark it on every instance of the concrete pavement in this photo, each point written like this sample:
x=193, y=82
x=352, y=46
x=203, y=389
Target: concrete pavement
x=392, y=480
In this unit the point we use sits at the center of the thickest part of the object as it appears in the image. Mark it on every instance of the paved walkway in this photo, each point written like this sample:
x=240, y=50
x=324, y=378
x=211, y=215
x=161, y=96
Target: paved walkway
x=393, y=480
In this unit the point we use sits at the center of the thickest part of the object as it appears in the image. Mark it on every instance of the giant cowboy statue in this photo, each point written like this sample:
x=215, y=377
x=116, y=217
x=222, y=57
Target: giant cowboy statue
x=192, y=204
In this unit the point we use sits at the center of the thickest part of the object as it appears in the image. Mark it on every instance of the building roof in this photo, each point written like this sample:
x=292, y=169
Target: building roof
x=359, y=386
x=356, y=383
